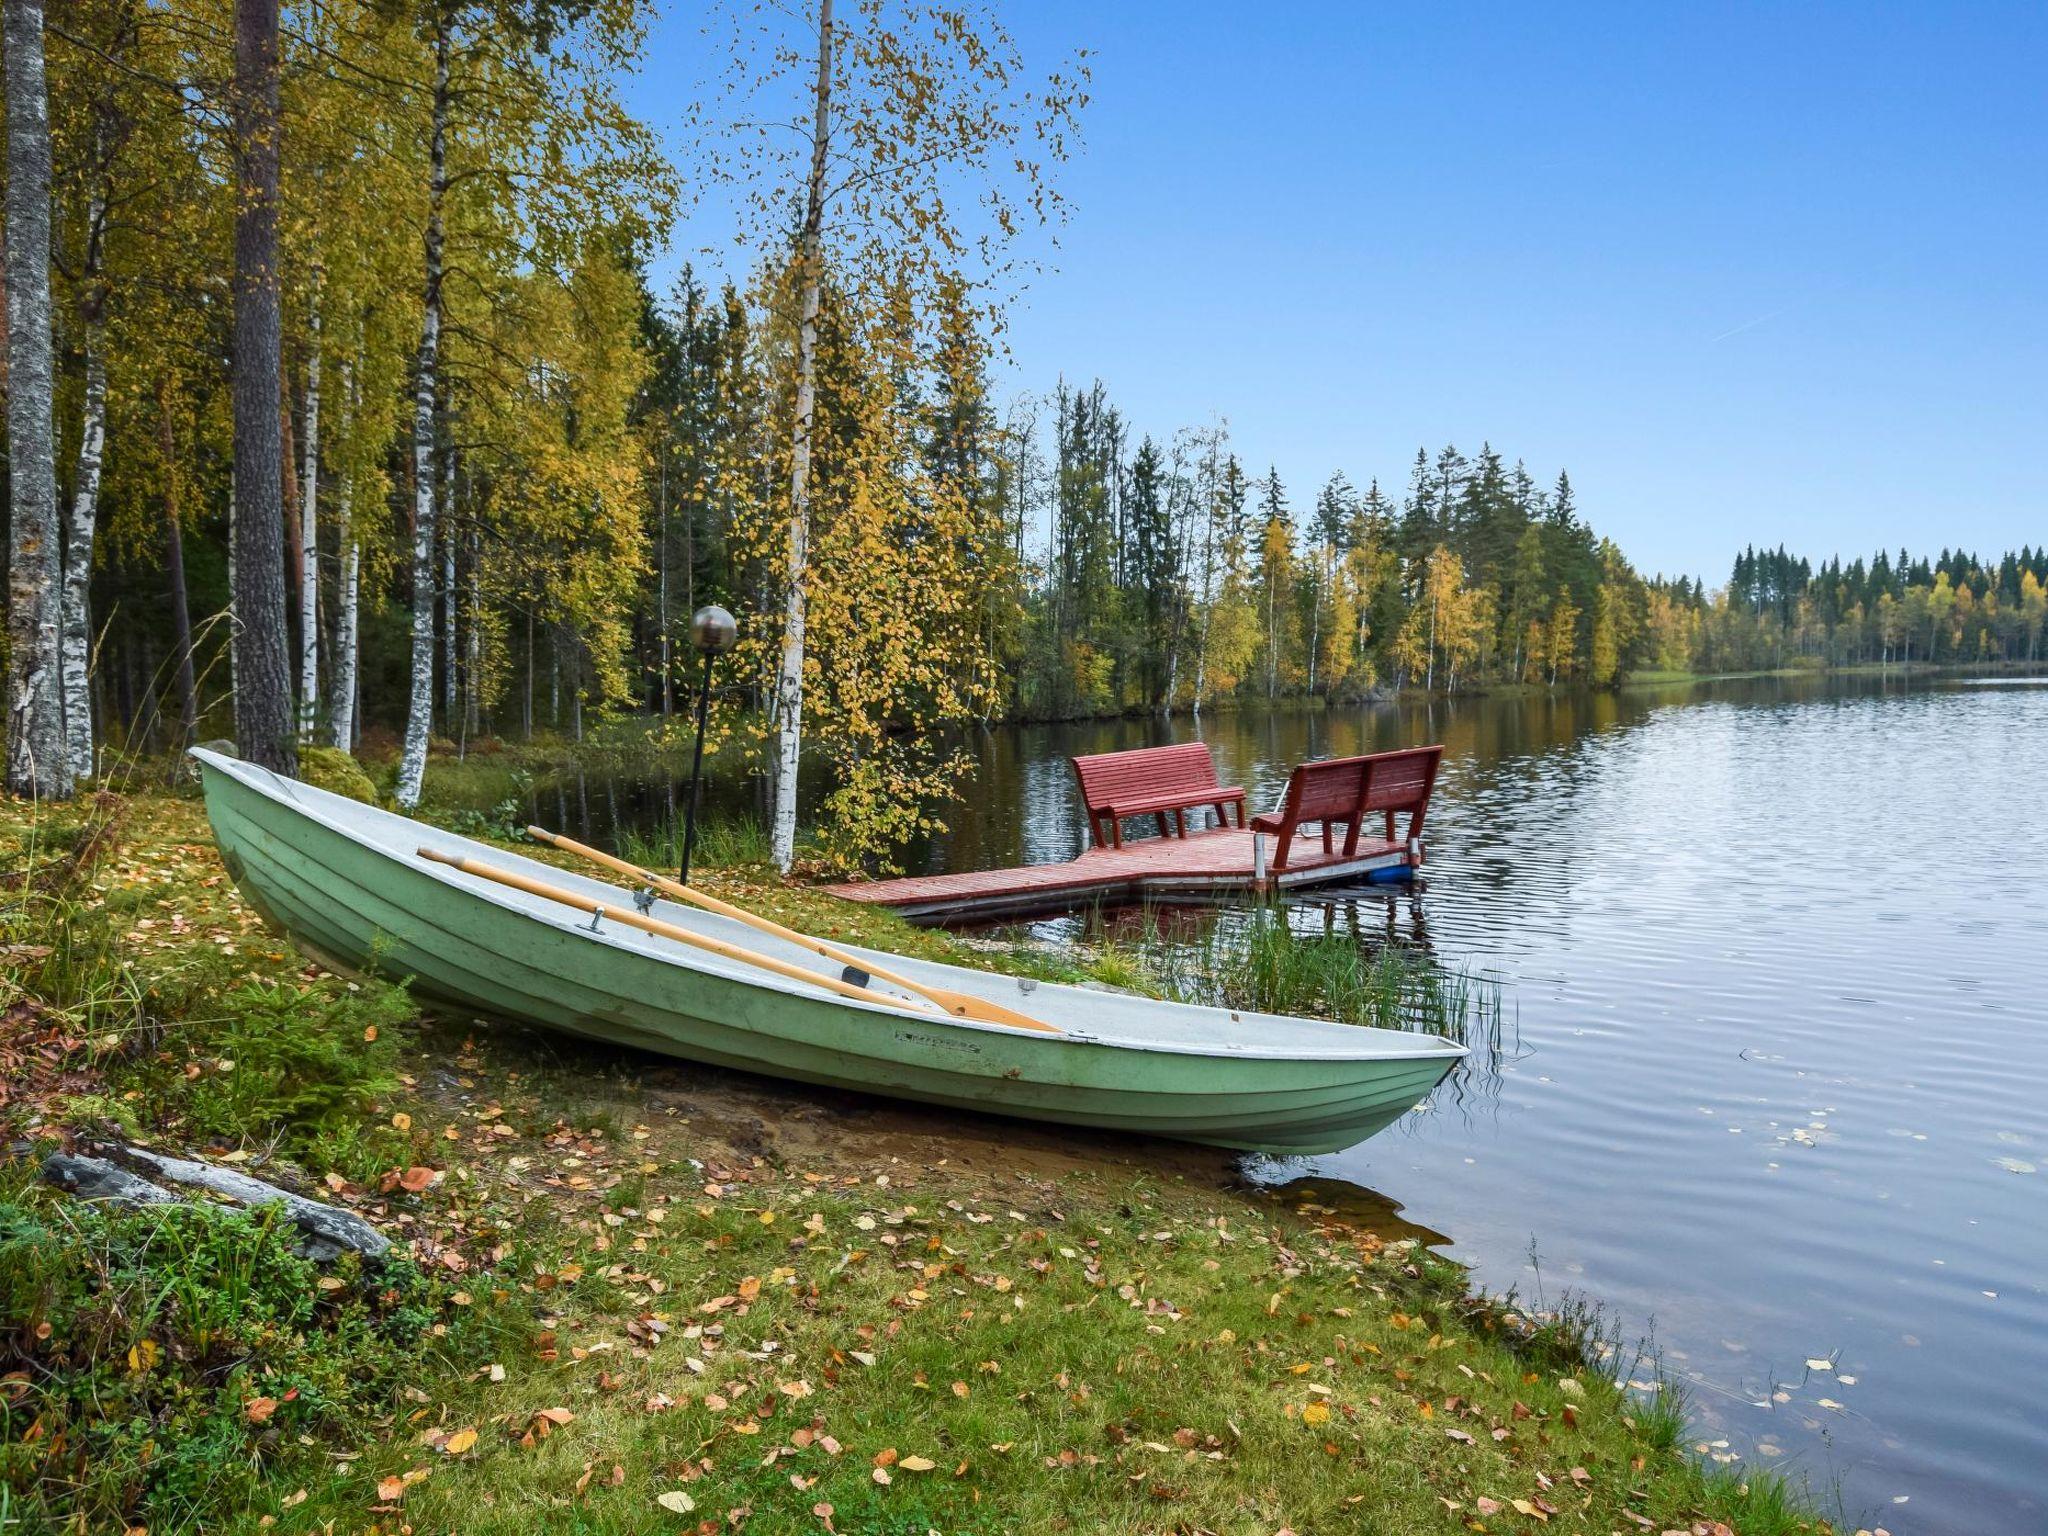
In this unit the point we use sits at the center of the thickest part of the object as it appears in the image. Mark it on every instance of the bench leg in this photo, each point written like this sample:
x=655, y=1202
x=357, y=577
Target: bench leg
x=1259, y=859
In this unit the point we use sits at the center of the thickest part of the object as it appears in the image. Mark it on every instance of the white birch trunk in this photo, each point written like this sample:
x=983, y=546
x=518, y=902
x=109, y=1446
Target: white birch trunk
x=37, y=762
x=341, y=705
x=419, y=716
x=341, y=708
x=789, y=681
x=309, y=537
x=76, y=641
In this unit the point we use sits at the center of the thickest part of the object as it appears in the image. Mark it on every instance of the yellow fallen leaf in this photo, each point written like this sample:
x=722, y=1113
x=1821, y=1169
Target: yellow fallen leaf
x=676, y=1501
x=401, y=1121
x=1316, y=1413
x=462, y=1440
x=917, y=1463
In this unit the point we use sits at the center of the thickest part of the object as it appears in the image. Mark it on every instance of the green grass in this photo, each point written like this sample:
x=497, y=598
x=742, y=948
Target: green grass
x=629, y=1279
x=721, y=843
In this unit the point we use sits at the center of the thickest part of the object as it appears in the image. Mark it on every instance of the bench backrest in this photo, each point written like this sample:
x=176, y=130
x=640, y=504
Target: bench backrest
x=1344, y=790
x=1401, y=781
x=1331, y=788
x=1107, y=777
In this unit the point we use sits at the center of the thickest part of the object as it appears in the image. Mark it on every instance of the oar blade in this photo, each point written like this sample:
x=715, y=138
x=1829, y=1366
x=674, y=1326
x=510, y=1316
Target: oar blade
x=983, y=1011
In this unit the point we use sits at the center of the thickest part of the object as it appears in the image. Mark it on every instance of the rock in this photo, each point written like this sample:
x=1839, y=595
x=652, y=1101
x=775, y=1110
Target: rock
x=325, y=1231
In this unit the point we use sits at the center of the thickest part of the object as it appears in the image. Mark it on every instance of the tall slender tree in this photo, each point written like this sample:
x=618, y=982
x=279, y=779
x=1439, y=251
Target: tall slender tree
x=263, y=683
x=38, y=760
x=419, y=715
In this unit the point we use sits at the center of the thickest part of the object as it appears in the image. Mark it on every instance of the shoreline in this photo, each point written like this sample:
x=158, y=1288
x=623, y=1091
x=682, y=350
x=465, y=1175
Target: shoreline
x=612, y=1258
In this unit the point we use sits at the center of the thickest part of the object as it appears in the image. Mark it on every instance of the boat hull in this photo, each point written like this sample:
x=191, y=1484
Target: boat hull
x=364, y=901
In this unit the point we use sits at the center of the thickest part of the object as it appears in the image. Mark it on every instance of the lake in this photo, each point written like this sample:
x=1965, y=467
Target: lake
x=1772, y=950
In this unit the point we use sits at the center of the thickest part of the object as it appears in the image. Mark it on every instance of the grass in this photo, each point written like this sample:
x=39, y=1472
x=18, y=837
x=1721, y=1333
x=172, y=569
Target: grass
x=732, y=843
x=627, y=1281
x=1268, y=966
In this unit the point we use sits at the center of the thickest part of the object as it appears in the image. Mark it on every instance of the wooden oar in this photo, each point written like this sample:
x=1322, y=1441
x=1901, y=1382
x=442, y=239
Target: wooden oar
x=960, y=1004
x=599, y=910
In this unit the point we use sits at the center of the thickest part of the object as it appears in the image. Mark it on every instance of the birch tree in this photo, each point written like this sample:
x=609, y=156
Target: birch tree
x=918, y=156
x=419, y=715
x=38, y=760
x=309, y=522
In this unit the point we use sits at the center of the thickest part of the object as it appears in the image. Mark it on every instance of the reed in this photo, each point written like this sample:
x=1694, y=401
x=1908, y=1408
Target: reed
x=1267, y=966
x=725, y=843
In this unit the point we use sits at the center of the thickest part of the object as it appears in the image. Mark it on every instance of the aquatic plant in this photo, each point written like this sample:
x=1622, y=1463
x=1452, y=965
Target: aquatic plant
x=1266, y=965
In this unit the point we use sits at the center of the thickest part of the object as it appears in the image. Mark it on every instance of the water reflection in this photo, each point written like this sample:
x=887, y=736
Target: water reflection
x=1356, y=1205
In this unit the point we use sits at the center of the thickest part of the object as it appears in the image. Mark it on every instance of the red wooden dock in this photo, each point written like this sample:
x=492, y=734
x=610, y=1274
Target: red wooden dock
x=1217, y=862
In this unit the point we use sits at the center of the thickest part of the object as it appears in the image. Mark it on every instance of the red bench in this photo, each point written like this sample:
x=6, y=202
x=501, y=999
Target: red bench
x=1343, y=791
x=1151, y=781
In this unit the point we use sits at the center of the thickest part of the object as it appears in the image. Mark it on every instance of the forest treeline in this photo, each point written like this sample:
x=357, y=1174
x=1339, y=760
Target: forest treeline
x=430, y=456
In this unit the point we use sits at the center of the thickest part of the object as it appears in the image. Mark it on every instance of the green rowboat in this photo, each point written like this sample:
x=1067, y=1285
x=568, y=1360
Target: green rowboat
x=347, y=882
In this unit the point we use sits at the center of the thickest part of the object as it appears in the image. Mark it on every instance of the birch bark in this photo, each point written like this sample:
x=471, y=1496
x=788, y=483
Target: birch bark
x=341, y=704
x=419, y=717
x=76, y=642
x=37, y=761
x=789, y=680
x=309, y=535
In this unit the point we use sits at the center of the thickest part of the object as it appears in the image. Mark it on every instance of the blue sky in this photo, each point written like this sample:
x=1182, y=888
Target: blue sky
x=1750, y=272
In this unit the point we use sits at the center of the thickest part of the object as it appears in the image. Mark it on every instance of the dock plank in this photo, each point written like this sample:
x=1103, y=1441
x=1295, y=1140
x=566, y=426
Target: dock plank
x=1216, y=862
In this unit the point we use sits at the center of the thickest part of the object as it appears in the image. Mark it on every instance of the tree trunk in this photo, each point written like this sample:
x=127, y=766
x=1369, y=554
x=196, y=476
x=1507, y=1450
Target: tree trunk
x=419, y=717
x=76, y=644
x=341, y=708
x=174, y=566
x=789, y=682
x=309, y=531
x=37, y=761
x=473, y=646
x=448, y=591
x=263, y=688
x=661, y=599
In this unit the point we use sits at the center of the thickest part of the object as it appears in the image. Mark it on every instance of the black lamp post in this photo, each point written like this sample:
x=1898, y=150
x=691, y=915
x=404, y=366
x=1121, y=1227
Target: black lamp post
x=712, y=632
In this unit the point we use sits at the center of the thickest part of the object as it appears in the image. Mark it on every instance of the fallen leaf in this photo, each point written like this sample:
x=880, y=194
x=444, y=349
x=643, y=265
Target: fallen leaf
x=462, y=1440
x=917, y=1463
x=259, y=1409
x=676, y=1501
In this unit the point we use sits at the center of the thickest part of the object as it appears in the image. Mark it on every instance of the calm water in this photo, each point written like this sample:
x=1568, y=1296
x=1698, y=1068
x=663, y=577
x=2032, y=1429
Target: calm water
x=1780, y=1088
